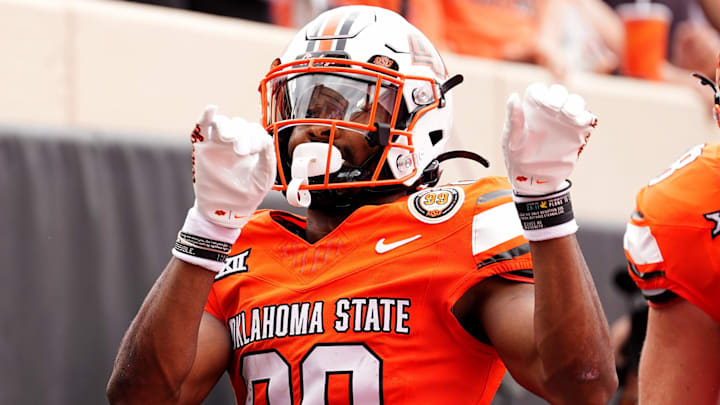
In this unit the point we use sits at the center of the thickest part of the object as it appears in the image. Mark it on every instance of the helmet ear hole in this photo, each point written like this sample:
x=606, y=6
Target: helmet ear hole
x=436, y=136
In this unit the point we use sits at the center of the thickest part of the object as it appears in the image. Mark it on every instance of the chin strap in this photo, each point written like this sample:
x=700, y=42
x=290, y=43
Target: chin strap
x=447, y=86
x=716, y=94
x=463, y=154
x=431, y=173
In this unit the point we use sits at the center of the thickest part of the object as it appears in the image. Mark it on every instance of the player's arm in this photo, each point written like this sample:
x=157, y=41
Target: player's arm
x=173, y=351
x=553, y=336
x=680, y=361
x=556, y=341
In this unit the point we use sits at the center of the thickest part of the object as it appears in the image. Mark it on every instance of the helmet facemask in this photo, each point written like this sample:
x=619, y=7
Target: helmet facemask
x=330, y=101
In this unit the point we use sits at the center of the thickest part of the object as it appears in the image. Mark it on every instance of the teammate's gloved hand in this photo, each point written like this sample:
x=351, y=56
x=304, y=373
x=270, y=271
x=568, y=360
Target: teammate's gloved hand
x=233, y=170
x=543, y=137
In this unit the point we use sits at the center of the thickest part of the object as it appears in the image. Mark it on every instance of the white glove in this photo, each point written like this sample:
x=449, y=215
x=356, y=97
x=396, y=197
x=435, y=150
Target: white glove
x=543, y=138
x=233, y=170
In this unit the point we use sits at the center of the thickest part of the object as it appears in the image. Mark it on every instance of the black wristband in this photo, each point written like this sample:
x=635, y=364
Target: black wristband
x=205, y=243
x=200, y=252
x=545, y=212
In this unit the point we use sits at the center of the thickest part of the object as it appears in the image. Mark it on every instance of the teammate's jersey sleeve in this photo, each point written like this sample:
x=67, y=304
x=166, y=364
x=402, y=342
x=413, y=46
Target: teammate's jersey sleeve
x=671, y=241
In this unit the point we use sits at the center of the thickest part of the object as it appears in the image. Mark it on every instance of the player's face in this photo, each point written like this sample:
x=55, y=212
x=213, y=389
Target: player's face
x=328, y=104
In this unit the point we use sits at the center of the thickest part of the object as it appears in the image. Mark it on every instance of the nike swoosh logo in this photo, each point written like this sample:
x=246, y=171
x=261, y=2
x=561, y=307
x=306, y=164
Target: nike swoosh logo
x=382, y=247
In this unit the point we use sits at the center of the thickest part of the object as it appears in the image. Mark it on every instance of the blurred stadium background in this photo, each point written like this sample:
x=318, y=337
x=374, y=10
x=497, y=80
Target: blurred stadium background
x=97, y=101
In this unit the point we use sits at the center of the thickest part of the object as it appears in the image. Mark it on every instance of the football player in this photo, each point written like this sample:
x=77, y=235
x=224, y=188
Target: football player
x=392, y=289
x=672, y=245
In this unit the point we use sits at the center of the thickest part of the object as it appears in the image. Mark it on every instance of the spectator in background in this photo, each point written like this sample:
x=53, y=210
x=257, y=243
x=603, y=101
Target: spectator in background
x=693, y=48
x=255, y=10
x=682, y=11
x=294, y=13
x=588, y=33
x=692, y=42
x=398, y=6
x=712, y=12
x=559, y=35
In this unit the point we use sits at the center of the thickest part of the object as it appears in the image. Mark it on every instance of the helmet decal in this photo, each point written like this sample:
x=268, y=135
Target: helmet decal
x=333, y=31
x=422, y=54
x=384, y=61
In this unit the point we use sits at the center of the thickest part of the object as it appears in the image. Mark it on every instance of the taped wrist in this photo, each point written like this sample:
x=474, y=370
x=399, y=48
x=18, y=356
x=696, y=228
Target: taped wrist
x=546, y=216
x=204, y=243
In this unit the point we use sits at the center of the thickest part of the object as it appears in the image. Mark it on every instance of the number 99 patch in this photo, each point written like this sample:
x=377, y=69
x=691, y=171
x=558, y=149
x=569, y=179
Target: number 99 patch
x=436, y=205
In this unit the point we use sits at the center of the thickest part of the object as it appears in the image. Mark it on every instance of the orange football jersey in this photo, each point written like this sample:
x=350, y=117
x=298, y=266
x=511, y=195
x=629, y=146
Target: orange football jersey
x=364, y=316
x=671, y=241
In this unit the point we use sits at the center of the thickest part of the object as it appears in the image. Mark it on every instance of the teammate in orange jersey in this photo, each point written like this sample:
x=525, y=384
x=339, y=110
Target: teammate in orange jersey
x=392, y=290
x=672, y=243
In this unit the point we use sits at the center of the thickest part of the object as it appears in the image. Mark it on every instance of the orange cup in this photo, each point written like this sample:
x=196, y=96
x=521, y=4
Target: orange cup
x=646, y=38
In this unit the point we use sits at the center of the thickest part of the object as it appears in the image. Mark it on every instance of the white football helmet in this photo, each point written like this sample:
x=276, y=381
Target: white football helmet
x=346, y=61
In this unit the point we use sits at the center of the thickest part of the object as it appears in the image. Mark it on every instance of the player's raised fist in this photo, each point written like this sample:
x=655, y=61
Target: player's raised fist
x=234, y=167
x=543, y=136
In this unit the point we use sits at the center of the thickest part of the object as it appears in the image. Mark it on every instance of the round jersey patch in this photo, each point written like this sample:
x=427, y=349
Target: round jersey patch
x=436, y=205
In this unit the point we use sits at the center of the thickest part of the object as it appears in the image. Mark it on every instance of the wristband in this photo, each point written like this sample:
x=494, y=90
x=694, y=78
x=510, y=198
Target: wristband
x=546, y=216
x=204, y=243
x=199, y=252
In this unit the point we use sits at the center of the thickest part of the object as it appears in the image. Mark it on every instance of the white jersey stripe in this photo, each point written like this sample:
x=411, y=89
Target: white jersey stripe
x=495, y=226
x=641, y=245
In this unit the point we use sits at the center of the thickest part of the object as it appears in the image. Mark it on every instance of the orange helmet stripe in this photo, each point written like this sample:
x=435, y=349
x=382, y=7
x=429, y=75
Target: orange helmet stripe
x=331, y=26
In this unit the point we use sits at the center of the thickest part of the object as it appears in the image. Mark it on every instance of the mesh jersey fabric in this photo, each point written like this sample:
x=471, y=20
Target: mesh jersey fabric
x=673, y=243
x=364, y=315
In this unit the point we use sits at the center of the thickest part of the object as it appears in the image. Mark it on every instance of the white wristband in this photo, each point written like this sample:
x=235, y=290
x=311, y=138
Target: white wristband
x=557, y=231
x=204, y=243
x=547, y=216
